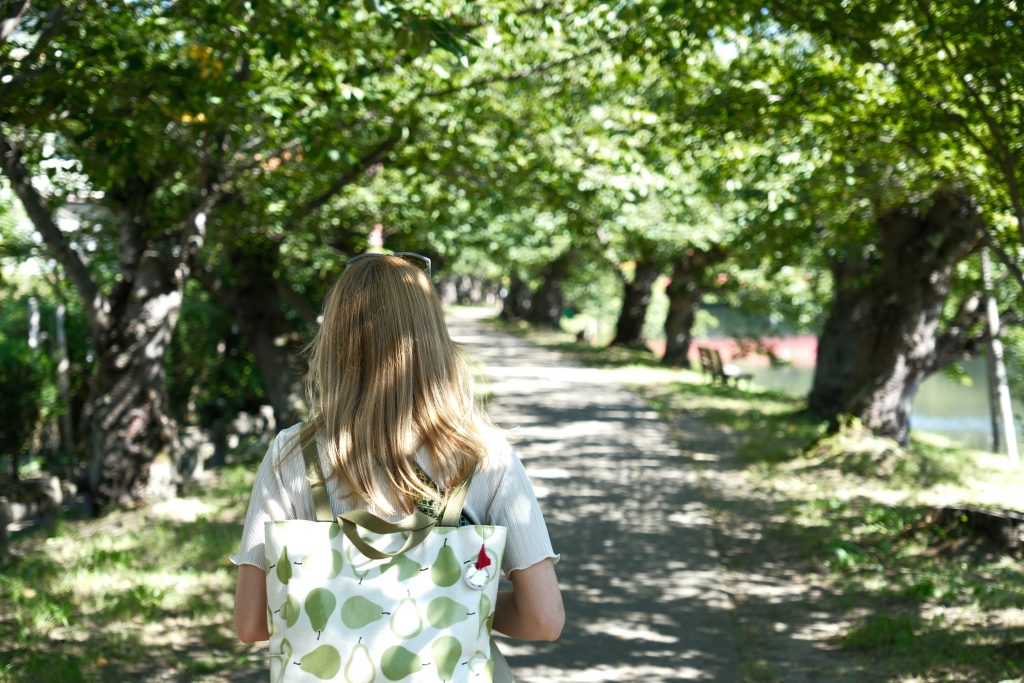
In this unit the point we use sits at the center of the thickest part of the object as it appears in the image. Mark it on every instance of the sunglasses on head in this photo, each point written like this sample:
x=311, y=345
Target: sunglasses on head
x=418, y=260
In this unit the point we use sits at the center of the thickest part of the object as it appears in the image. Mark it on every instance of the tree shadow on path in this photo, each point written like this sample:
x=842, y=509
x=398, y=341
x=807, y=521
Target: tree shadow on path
x=640, y=573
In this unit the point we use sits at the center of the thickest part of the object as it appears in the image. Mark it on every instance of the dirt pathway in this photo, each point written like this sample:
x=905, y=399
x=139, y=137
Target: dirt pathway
x=640, y=573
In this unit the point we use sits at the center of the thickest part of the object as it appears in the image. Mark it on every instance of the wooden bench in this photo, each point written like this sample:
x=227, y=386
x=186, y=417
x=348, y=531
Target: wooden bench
x=711, y=364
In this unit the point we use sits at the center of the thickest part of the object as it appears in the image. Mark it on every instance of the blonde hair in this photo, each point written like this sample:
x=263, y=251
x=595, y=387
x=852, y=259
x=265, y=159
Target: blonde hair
x=385, y=378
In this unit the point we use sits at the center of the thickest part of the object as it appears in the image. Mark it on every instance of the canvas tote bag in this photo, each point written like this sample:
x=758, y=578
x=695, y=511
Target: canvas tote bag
x=362, y=600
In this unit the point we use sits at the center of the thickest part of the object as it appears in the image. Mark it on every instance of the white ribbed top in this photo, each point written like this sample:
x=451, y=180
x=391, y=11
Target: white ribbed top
x=500, y=494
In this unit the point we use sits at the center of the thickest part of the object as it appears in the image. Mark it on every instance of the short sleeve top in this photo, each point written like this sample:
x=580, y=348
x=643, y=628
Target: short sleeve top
x=500, y=494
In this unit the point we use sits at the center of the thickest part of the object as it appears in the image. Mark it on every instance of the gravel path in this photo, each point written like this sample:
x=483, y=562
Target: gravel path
x=639, y=572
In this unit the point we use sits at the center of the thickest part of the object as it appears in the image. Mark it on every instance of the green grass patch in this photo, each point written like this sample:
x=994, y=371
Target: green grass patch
x=883, y=631
x=129, y=596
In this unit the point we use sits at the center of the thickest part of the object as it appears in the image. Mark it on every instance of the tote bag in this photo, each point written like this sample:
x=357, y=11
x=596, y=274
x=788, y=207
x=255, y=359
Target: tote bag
x=362, y=600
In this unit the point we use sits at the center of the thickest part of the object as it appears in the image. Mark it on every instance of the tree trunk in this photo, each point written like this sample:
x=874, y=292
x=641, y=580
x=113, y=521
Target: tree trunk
x=516, y=303
x=636, y=296
x=255, y=302
x=547, y=302
x=839, y=338
x=689, y=282
x=125, y=417
x=898, y=341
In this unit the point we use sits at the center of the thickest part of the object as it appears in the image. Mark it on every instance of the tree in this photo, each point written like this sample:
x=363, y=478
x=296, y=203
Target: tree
x=163, y=112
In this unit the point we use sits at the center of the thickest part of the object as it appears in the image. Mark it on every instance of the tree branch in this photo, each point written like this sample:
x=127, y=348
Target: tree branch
x=193, y=226
x=374, y=156
x=96, y=304
x=1006, y=259
x=50, y=26
x=957, y=341
x=518, y=74
x=12, y=17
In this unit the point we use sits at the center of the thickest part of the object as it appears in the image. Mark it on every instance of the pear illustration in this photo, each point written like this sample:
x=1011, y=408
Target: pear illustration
x=360, y=668
x=279, y=664
x=480, y=665
x=336, y=564
x=326, y=565
x=277, y=667
x=334, y=530
x=397, y=662
x=290, y=611
x=357, y=612
x=442, y=612
x=446, y=651
x=406, y=568
x=484, y=610
x=484, y=531
x=284, y=567
x=320, y=604
x=359, y=563
x=323, y=662
x=446, y=569
x=405, y=620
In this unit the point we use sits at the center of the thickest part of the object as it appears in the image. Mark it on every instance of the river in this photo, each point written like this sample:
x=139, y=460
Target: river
x=943, y=406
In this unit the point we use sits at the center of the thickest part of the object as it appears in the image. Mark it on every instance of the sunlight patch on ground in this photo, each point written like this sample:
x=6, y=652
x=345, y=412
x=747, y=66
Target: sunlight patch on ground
x=600, y=674
x=628, y=631
x=179, y=510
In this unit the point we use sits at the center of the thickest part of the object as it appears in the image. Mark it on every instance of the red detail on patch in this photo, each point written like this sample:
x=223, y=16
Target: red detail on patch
x=482, y=560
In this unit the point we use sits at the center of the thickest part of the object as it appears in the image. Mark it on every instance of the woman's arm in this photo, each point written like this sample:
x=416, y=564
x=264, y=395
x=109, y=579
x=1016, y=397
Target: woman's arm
x=251, y=604
x=533, y=609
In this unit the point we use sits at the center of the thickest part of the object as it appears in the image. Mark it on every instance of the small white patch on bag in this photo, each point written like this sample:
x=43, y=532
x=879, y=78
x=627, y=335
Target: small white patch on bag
x=479, y=571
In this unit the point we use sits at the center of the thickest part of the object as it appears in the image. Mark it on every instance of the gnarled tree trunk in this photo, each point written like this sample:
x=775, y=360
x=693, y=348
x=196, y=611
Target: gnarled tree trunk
x=839, y=338
x=898, y=341
x=125, y=417
x=636, y=296
x=547, y=302
x=125, y=420
x=516, y=303
x=255, y=302
x=689, y=282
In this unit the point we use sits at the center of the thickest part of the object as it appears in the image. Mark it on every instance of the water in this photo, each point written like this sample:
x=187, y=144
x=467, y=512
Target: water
x=942, y=406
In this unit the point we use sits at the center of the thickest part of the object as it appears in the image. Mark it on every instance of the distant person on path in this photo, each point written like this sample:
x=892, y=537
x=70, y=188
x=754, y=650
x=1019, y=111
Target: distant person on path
x=387, y=387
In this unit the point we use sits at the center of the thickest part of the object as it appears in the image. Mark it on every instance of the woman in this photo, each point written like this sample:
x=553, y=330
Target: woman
x=388, y=389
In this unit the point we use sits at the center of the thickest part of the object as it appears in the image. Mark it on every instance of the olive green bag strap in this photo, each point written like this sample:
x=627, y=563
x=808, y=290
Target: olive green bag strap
x=317, y=481
x=456, y=501
x=417, y=524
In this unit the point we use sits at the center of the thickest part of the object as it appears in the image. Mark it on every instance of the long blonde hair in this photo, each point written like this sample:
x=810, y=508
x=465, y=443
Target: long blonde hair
x=385, y=378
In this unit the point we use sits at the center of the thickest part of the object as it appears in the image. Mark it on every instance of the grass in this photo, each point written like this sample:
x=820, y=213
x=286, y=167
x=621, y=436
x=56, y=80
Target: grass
x=899, y=597
x=132, y=596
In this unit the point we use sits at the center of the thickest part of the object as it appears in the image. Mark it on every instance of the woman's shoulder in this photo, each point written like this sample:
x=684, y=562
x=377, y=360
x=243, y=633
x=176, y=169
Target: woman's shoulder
x=499, y=453
x=286, y=443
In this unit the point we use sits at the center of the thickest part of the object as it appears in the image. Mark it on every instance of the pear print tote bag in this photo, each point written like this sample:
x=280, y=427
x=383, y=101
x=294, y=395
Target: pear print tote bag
x=362, y=600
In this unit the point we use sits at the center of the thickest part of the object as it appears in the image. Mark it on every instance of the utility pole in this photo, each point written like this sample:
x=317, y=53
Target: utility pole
x=995, y=352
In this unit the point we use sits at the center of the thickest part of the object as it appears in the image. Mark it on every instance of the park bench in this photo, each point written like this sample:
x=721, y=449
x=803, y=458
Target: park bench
x=711, y=364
